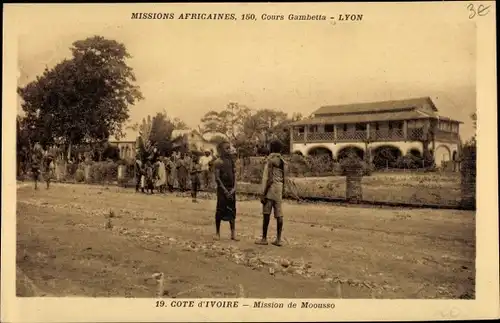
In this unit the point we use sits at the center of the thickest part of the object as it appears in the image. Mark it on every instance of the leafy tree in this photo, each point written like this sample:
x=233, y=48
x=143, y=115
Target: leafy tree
x=84, y=99
x=157, y=132
x=178, y=124
x=260, y=126
x=229, y=122
x=472, y=141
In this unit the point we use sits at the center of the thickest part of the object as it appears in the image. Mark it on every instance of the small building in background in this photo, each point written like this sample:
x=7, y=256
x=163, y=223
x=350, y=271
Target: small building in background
x=195, y=140
x=126, y=145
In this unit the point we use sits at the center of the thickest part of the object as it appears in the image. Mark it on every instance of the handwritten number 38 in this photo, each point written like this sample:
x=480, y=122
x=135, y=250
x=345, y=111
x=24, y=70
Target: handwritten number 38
x=481, y=10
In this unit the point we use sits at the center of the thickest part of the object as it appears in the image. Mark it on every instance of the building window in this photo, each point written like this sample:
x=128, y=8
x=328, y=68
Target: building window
x=395, y=125
x=377, y=126
x=301, y=129
x=360, y=126
x=313, y=128
x=344, y=127
x=329, y=128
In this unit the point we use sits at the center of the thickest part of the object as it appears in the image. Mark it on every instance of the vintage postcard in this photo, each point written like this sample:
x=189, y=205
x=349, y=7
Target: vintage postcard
x=249, y=162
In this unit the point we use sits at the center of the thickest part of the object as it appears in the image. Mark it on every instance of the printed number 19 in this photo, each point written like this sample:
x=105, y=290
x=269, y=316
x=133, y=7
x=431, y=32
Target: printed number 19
x=248, y=16
x=160, y=303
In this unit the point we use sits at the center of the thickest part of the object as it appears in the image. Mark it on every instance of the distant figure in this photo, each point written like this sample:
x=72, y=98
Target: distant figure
x=171, y=172
x=161, y=175
x=139, y=172
x=205, y=163
x=36, y=161
x=149, y=177
x=182, y=172
x=226, y=190
x=273, y=184
x=50, y=168
x=195, y=172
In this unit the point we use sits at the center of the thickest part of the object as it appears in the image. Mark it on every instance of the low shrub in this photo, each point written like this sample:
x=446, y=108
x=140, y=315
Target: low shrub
x=103, y=172
x=79, y=175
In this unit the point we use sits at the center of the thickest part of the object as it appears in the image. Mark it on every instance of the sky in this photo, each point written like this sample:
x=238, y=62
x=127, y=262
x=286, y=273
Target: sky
x=190, y=68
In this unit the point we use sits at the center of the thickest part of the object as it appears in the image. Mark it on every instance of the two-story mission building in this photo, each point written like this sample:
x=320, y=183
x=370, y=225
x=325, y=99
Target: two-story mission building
x=403, y=126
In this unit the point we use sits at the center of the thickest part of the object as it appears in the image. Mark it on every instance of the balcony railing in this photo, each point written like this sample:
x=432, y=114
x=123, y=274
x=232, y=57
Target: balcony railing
x=358, y=135
x=446, y=135
x=389, y=134
x=361, y=135
x=321, y=136
x=416, y=134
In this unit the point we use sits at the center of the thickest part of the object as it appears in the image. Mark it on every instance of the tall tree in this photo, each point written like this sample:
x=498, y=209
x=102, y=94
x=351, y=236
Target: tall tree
x=157, y=132
x=229, y=122
x=84, y=99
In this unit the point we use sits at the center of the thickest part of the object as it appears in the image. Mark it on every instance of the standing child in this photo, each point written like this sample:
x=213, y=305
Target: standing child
x=161, y=175
x=195, y=172
x=273, y=183
x=36, y=161
x=49, y=169
x=138, y=167
x=149, y=177
x=182, y=172
x=226, y=190
x=205, y=162
x=170, y=167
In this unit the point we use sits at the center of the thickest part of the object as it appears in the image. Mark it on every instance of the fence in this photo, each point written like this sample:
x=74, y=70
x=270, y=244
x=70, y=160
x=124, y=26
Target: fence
x=418, y=188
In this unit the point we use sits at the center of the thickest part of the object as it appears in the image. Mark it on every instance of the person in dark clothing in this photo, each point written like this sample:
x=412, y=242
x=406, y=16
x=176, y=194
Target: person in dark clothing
x=273, y=184
x=182, y=172
x=149, y=177
x=49, y=167
x=195, y=171
x=36, y=163
x=226, y=190
x=139, y=170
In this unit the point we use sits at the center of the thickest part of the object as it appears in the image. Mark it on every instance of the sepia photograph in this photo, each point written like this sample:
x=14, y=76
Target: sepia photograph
x=202, y=155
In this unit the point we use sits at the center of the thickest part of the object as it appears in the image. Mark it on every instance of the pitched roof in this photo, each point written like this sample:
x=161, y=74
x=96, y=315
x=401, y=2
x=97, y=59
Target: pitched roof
x=380, y=106
x=360, y=118
x=370, y=117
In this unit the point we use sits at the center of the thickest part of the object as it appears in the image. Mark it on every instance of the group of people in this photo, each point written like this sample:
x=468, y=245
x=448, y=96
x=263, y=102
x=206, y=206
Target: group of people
x=160, y=174
x=42, y=163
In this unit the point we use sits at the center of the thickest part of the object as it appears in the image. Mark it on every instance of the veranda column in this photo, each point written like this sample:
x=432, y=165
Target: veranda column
x=335, y=133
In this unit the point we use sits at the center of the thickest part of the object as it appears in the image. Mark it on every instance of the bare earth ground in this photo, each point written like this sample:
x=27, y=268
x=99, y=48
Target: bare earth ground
x=65, y=247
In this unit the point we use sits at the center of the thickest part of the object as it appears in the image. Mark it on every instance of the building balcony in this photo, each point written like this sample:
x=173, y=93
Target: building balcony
x=446, y=136
x=361, y=135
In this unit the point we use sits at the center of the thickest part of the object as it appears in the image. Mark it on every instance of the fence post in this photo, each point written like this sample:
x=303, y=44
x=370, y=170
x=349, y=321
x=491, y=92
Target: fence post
x=468, y=178
x=353, y=169
x=86, y=172
x=122, y=173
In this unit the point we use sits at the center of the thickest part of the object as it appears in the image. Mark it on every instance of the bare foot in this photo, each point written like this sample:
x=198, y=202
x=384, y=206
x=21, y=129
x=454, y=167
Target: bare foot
x=277, y=243
x=217, y=237
x=235, y=239
x=262, y=242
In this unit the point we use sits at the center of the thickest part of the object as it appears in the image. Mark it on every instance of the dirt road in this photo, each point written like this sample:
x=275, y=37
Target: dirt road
x=69, y=244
